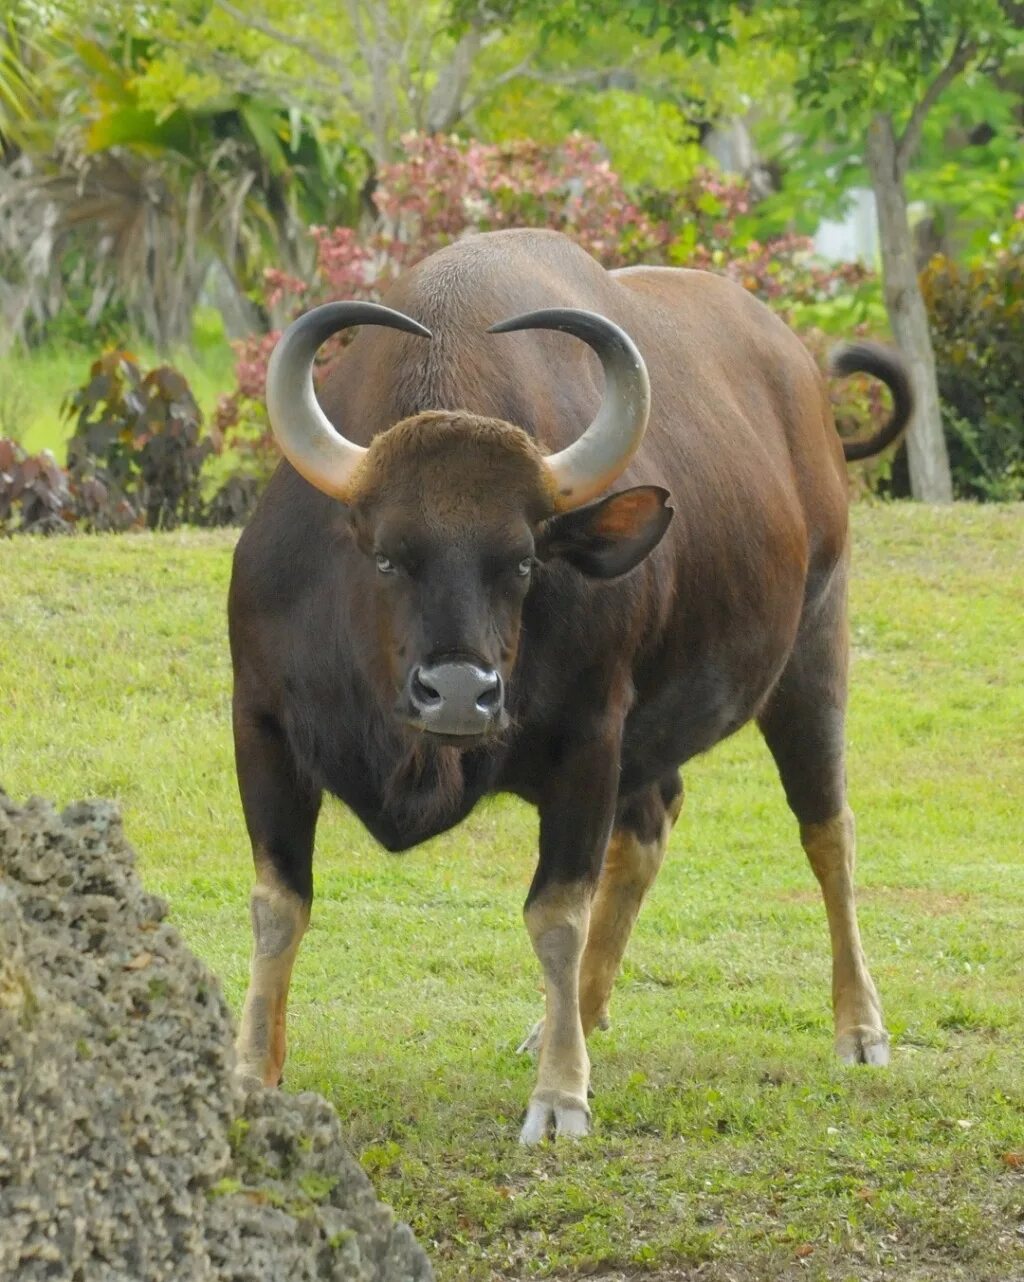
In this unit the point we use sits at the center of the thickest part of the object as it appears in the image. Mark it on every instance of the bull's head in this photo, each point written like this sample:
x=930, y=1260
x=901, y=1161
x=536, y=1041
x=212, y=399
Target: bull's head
x=455, y=511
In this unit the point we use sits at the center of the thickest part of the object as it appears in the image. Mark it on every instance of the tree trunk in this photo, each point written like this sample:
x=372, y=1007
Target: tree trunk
x=930, y=479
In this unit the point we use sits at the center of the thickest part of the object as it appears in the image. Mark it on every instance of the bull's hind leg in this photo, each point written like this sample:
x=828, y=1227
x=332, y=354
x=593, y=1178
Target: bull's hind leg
x=804, y=726
x=634, y=857
x=631, y=863
x=281, y=815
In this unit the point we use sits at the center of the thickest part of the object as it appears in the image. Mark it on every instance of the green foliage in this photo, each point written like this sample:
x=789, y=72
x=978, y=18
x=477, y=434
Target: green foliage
x=138, y=446
x=647, y=106
x=856, y=56
x=125, y=197
x=317, y=1186
x=150, y=100
x=226, y=1186
x=17, y=81
x=817, y=72
x=976, y=315
x=874, y=56
x=650, y=142
x=851, y=60
x=967, y=172
x=856, y=309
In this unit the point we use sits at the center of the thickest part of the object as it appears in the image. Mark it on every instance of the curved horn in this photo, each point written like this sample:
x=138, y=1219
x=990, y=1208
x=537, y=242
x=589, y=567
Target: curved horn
x=587, y=467
x=304, y=432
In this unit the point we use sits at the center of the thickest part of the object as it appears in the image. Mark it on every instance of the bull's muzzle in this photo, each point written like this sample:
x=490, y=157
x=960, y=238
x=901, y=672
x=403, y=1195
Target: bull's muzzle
x=457, y=697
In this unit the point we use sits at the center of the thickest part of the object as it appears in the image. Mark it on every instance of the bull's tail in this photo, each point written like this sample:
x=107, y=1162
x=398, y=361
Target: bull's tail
x=884, y=364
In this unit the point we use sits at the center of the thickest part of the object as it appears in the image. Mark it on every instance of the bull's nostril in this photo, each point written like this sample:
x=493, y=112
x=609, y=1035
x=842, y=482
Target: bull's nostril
x=489, y=699
x=423, y=695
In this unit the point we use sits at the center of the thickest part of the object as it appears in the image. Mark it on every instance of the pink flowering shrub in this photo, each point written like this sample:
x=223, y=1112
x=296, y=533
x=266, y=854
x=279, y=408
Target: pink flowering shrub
x=445, y=187
x=784, y=271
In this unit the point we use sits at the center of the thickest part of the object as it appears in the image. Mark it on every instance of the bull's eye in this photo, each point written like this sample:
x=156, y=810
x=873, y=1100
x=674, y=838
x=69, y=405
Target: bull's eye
x=384, y=566
x=525, y=566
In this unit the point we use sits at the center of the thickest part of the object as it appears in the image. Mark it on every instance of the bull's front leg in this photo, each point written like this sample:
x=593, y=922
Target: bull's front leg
x=557, y=921
x=575, y=822
x=281, y=813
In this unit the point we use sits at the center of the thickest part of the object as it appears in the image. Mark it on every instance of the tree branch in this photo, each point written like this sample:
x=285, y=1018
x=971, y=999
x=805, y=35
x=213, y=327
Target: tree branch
x=963, y=51
x=520, y=69
x=447, y=104
x=418, y=54
x=622, y=77
x=312, y=50
x=245, y=78
x=376, y=57
x=598, y=78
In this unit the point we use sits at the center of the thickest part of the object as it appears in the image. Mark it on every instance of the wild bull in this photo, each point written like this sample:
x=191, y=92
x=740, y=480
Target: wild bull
x=438, y=598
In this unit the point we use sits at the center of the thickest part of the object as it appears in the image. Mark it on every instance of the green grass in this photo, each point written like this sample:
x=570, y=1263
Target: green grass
x=727, y=1139
x=33, y=384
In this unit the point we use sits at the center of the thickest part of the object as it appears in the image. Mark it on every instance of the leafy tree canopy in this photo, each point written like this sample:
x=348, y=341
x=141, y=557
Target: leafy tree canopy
x=814, y=74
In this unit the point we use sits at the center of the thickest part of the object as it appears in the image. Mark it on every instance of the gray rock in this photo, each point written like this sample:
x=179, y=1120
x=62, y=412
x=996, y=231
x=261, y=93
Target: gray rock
x=128, y=1153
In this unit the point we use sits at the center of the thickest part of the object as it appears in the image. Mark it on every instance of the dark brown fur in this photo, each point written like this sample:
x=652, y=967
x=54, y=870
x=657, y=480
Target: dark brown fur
x=738, y=612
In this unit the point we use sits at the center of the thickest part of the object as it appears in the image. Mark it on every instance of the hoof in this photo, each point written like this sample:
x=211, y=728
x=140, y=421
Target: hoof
x=556, y=1117
x=251, y=1074
x=864, y=1046
x=530, y=1045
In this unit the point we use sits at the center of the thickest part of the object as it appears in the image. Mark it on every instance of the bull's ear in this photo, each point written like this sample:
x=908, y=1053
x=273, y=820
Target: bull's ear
x=611, y=537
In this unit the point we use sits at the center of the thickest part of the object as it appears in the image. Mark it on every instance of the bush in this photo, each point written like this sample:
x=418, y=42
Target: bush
x=34, y=494
x=134, y=461
x=976, y=315
x=234, y=502
x=138, y=448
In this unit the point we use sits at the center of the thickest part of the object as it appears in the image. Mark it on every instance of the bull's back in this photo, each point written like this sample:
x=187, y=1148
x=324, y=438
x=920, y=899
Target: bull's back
x=733, y=390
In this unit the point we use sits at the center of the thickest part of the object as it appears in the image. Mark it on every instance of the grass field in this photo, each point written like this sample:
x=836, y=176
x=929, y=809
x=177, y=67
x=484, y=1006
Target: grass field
x=728, y=1143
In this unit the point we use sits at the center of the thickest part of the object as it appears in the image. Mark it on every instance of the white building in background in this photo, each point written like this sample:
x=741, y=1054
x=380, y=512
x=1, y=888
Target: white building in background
x=854, y=237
